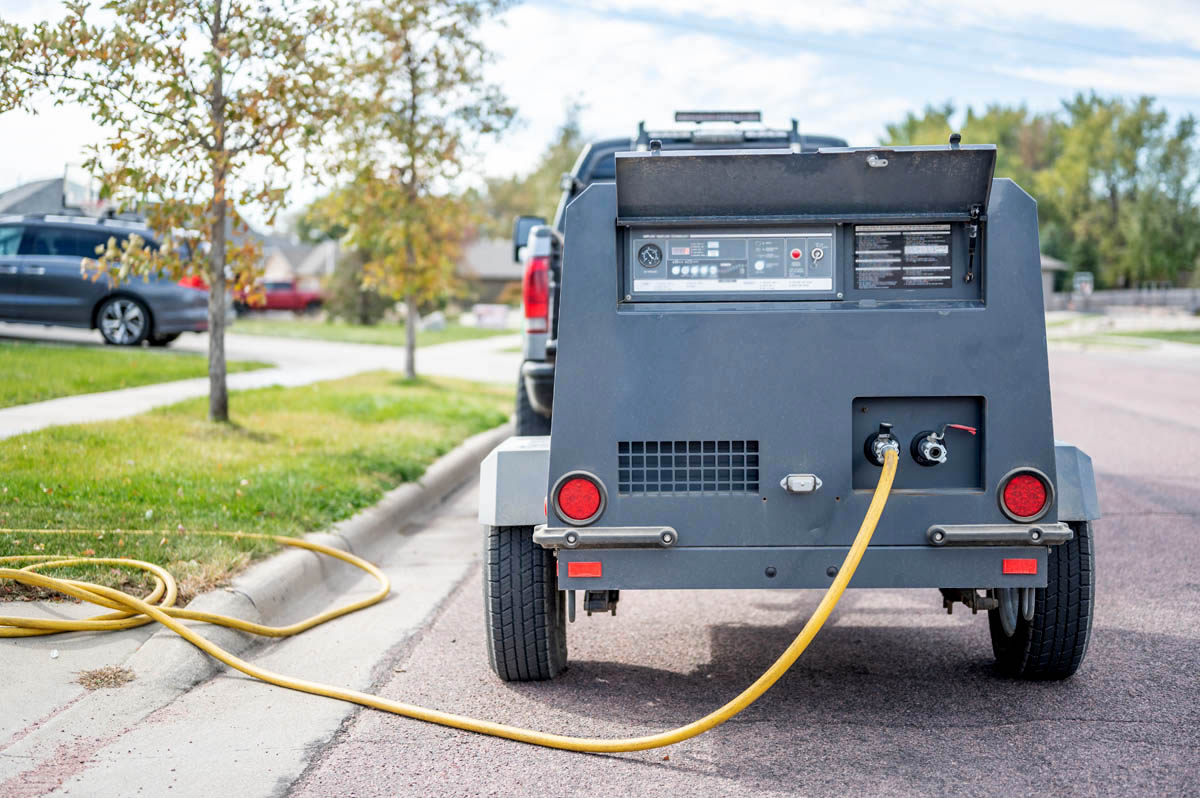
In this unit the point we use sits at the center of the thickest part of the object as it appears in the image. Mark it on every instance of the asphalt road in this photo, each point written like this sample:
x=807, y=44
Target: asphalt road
x=893, y=698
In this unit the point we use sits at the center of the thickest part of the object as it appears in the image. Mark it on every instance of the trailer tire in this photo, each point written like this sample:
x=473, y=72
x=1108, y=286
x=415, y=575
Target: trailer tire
x=529, y=421
x=1052, y=645
x=524, y=611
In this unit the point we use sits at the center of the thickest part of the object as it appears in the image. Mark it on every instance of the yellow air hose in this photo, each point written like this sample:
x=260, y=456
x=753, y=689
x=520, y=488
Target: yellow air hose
x=132, y=611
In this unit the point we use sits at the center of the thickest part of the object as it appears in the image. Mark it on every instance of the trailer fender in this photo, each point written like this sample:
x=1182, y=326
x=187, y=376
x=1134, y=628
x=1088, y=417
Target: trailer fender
x=1077, y=500
x=512, y=482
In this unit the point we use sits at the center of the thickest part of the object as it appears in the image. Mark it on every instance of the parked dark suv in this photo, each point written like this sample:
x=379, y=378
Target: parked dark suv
x=41, y=283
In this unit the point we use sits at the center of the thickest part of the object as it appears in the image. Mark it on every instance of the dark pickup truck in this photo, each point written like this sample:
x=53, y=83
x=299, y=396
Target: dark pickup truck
x=539, y=245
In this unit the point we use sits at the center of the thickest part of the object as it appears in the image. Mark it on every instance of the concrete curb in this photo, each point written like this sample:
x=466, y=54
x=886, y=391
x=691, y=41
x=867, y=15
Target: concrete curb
x=265, y=592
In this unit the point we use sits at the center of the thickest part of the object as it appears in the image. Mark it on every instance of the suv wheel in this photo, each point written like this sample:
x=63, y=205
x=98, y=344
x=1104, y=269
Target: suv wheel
x=123, y=321
x=1052, y=643
x=529, y=421
x=524, y=610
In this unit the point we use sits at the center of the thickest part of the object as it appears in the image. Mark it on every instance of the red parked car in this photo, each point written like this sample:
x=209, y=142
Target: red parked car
x=282, y=295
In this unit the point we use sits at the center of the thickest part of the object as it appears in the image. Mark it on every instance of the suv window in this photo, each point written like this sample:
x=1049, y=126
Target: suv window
x=278, y=286
x=62, y=241
x=10, y=239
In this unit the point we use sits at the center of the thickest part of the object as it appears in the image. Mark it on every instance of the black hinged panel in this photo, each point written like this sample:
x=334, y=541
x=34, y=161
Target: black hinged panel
x=832, y=182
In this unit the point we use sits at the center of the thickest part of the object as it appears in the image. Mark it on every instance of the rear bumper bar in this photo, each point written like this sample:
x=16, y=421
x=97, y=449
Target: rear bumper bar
x=999, y=534
x=790, y=567
x=539, y=385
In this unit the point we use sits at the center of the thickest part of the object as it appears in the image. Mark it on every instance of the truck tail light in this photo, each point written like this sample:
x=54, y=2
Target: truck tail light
x=1025, y=495
x=579, y=498
x=535, y=293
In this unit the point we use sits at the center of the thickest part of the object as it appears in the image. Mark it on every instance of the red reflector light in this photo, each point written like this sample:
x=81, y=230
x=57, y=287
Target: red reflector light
x=577, y=569
x=535, y=294
x=1019, y=565
x=1024, y=496
x=579, y=499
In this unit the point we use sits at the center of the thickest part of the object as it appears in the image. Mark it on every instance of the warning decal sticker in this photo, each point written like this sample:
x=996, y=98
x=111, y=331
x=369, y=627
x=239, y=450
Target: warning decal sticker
x=902, y=256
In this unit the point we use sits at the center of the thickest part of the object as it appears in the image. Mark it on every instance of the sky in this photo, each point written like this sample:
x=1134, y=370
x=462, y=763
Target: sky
x=844, y=69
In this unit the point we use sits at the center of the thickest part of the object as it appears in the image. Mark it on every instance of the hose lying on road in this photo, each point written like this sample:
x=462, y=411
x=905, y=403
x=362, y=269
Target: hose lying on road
x=156, y=607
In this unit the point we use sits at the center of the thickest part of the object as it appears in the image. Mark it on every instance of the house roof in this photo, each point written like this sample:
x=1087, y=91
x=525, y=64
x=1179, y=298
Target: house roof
x=40, y=196
x=1052, y=264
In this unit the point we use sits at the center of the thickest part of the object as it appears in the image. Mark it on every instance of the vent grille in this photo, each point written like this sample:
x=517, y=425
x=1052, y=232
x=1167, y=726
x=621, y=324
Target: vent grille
x=680, y=467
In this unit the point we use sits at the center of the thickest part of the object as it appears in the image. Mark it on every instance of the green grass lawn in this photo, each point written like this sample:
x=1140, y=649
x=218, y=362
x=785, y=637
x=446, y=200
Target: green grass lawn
x=382, y=333
x=1177, y=336
x=295, y=460
x=34, y=372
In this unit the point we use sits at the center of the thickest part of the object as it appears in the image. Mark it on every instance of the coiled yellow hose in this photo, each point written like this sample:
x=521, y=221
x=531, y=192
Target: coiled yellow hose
x=133, y=611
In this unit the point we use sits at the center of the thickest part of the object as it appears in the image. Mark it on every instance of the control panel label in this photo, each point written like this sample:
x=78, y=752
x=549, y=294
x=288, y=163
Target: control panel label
x=902, y=256
x=718, y=262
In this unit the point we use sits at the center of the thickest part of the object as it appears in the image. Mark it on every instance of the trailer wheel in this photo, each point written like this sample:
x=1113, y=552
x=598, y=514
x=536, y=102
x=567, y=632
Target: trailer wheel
x=1052, y=644
x=529, y=421
x=524, y=611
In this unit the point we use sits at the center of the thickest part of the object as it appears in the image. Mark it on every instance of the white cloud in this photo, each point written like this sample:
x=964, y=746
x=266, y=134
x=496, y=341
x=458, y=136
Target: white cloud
x=1138, y=75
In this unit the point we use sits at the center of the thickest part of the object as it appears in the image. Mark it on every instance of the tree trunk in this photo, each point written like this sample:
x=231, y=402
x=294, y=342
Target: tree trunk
x=218, y=393
x=411, y=320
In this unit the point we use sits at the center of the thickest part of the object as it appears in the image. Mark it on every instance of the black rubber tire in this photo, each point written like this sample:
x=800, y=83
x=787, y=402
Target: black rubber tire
x=118, y=301
x=524, y=611
x=162, y=340
x=529, y=421
x=1053, y=644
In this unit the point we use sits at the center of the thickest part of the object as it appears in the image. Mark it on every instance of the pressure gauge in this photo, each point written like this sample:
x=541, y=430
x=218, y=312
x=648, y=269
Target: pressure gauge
x=649, y=256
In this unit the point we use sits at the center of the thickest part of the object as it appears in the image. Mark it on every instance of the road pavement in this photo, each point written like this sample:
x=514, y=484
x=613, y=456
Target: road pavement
x=893, y=698
x=297, y=362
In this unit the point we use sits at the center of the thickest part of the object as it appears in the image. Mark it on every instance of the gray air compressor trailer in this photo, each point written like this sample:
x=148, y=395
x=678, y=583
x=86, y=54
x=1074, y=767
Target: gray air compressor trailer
x=740, y=334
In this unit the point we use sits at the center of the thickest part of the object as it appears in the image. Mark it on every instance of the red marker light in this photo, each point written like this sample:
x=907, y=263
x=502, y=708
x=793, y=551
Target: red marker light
x=796, y=254
x=1016, y=565
x=584, y=569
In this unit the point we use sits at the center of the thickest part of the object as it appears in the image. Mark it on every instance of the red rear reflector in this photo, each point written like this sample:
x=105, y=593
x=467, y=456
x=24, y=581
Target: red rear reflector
x=577, y=569
x=579, y=499
x=535, y=293
x=1024, y=495
x=1019, y=565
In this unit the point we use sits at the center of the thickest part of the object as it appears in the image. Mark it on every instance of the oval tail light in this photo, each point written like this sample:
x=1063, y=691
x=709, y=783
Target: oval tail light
x=579, y=498
x=1025, y=494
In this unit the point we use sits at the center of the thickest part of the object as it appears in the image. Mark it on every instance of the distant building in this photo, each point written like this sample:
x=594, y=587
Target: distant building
x=40, y=196
x=488, y=268
x=1050, y=267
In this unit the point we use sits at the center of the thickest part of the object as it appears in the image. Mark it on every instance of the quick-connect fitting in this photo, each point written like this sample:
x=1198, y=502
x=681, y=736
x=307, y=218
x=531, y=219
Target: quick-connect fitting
x=879, y=443
x=929, y=449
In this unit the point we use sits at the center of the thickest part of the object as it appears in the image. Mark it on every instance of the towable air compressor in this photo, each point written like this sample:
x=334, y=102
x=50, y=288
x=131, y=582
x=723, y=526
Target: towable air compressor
x=743, y=335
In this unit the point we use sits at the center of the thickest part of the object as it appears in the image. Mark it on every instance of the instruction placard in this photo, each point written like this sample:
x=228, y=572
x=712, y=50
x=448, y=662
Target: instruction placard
x=902, y=256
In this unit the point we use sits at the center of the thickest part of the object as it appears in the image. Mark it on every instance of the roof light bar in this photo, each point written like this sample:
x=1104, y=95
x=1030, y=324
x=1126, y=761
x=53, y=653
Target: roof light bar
x=718, y=116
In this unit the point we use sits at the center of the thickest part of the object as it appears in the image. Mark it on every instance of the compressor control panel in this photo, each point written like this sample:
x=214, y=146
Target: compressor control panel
x=777, y=263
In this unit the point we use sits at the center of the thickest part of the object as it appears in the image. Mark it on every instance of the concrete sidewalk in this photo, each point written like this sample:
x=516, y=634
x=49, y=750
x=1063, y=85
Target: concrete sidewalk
x=299, y=362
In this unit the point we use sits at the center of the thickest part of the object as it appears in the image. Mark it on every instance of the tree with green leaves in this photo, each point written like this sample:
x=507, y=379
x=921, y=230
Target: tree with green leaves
x=206, y=105
x=538, y=191
x=415, y=101
x=1116, y=181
